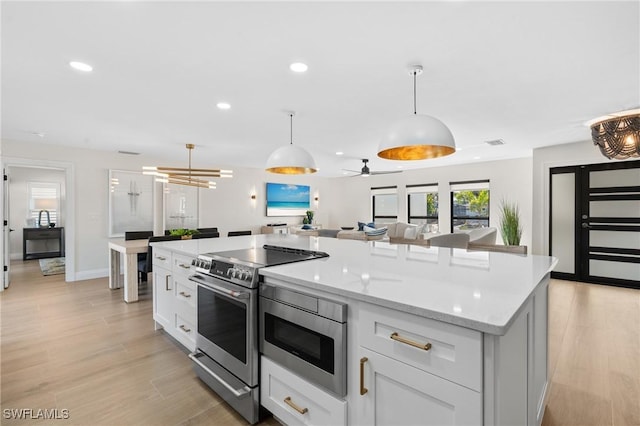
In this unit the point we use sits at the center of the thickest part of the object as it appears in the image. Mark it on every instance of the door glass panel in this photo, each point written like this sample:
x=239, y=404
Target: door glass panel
x=615, y=239
x=620, y=270
x=610, y=178
x=563, y=221
x=624, y=208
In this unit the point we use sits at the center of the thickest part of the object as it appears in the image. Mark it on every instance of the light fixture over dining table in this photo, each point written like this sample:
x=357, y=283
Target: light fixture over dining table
x=187, y=176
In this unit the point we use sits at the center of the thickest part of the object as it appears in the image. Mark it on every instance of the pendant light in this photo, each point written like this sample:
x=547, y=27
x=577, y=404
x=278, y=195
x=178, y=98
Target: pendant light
x=187, y=176
x=291, y=159
x=417, y=137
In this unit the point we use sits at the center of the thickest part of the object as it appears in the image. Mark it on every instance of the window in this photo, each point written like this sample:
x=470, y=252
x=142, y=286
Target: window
x=45, y=197
x=385, y=204
x=422, y=205
x=469, y=205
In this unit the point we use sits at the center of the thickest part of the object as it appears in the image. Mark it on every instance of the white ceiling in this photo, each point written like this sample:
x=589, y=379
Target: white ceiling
x=530, y=73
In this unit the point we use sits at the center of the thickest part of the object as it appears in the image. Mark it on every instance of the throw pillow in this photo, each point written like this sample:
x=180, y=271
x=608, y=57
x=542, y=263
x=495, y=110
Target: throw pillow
x=371, y=231
x=400, y=228
x=411, y=232
x=391, y=229
x=361, y=225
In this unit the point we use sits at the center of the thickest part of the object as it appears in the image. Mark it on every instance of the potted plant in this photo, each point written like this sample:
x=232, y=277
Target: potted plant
x=310, y=217
x=510, y=227
x=184, y=233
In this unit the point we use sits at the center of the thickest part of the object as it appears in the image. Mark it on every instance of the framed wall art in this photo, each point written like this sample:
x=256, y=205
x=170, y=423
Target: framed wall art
x=130, y=202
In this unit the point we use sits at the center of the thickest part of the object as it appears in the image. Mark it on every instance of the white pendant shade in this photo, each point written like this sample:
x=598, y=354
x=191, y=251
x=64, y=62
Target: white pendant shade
x=291, y=160
x=417, y=137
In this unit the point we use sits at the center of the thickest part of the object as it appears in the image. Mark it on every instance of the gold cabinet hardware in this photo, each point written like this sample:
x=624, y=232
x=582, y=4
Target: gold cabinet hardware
x=185, y=266
x=363, y=390
x=425, y=346
x=291, y=404
x=185, y=329
x=166, y=282
x=161, y=258
x=183, y=294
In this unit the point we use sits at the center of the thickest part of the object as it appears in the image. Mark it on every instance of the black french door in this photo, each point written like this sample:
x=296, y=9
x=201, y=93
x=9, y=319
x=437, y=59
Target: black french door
x=595, y=223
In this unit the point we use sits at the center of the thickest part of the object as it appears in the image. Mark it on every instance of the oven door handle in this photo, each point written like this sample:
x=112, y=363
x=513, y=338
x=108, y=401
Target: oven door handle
x=238, y=393
x=220, y=289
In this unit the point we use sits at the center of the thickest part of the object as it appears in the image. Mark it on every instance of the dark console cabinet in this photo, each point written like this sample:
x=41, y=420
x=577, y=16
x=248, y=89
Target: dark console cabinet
x=35, y=239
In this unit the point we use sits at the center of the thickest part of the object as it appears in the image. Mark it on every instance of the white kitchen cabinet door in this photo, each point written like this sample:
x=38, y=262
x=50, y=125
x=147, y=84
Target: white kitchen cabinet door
x=163, y=298
x=398, y=394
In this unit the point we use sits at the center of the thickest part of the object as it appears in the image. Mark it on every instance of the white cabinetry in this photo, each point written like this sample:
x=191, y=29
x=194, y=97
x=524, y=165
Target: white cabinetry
x=162, y=291
x=398, y=394
x=174, y=296
x=295, y=401
x=275, y=229
x=414, y=370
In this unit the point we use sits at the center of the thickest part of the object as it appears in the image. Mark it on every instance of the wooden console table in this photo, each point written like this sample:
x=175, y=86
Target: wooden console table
x=42, y=234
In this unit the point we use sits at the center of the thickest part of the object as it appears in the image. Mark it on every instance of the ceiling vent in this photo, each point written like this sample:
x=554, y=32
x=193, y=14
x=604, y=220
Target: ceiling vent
x=128, y=152
x=495, y=142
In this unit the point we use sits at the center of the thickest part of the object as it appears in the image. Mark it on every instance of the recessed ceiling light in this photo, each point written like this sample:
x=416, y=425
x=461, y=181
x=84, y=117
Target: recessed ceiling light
x=477, y=158
x=80, y=66
x=38, y=134
x=399, y=167
x=458, y=149
x=339, y=153
x=298, y=67
x=223, y=105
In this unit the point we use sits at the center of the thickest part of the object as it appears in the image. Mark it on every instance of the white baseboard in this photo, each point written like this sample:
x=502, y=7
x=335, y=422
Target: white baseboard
x=15, y=256
x=91, y=274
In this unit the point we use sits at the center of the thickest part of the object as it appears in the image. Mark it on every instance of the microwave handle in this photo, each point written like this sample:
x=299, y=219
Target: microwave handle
x=221, y=290
x=236, y=392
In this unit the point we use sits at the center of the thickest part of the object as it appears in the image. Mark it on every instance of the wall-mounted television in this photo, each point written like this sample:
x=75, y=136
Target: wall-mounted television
x=285, y=199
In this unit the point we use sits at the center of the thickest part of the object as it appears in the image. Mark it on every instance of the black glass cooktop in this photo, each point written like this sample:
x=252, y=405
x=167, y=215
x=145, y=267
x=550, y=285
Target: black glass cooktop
x=267, y=255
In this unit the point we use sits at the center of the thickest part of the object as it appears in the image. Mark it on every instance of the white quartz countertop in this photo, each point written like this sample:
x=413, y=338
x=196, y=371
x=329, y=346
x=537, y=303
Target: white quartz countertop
x=479, y=290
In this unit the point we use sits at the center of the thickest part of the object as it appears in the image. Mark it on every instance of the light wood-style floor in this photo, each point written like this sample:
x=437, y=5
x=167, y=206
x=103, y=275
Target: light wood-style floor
x=79, y=347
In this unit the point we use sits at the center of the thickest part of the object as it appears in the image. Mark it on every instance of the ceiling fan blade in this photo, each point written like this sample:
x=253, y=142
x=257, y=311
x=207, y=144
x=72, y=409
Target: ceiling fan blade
x=352, y=171
x=386, y=173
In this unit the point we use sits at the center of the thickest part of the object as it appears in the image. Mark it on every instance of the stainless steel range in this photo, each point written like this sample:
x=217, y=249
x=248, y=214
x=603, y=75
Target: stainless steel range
x=227, y=357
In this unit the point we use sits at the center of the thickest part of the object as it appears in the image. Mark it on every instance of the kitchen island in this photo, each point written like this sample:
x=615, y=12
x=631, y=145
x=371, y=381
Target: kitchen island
x=483, y=315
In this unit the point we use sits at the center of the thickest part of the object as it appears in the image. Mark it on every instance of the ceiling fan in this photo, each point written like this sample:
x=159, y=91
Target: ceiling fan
x=365, y=171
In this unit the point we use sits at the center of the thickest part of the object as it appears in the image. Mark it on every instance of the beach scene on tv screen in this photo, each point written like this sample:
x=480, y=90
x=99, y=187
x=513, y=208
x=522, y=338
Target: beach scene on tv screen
x=285, y=199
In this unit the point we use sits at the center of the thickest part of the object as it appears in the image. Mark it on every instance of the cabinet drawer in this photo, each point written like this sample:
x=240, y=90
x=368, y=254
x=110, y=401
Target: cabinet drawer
x=161, y=258
x=185, y=292
x=185, y=332
x=279, y=388
x=182, y=265
x=455, y=352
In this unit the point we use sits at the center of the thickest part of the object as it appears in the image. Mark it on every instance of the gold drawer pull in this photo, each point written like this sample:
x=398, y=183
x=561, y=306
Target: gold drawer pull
x=406, y=341
x=185, y=329
x=290, y=403
x=161, y=258
x=183, y=294
x=363, y=390
x=185, y=266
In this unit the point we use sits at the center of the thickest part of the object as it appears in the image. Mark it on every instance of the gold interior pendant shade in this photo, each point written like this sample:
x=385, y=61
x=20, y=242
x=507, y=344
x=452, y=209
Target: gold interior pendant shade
x=417, y=137
x=187, y=176
x=291, y=159
x=617, y=135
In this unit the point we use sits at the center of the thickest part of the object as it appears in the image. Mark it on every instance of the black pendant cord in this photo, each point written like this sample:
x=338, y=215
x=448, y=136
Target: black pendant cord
x=291, y=129
x=414, y=92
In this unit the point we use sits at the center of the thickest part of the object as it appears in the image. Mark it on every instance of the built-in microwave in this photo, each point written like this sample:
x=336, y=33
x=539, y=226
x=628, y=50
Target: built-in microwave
x=306, y=334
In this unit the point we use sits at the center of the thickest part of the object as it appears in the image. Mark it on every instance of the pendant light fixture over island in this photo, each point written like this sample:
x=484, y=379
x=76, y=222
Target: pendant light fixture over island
x=291, y=159
x=417, y=137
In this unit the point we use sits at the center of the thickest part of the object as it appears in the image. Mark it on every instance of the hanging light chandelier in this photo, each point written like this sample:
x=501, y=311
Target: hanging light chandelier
x=417, y=137
x=187, y=176
x=291, y=159
x=618, y=134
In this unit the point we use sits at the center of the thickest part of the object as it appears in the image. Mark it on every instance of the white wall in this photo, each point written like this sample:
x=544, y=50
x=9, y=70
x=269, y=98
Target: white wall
x=509, y=179
x=19, y=178
x=579, y=153
x=229, y=207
